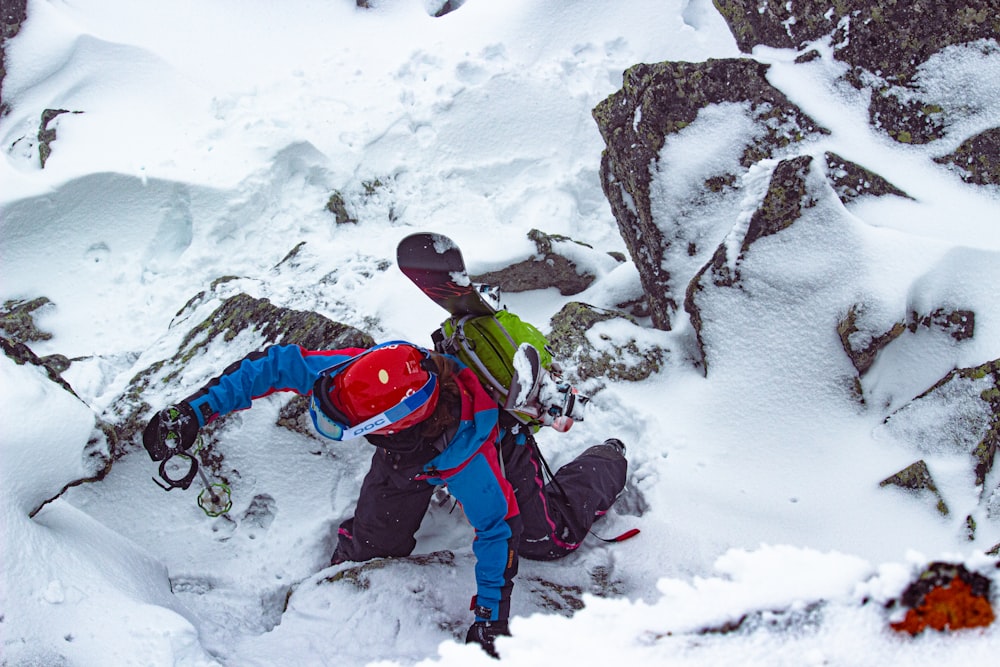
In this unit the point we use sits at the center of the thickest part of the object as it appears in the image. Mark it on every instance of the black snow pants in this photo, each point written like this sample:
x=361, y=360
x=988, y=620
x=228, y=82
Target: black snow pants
x=555, y=516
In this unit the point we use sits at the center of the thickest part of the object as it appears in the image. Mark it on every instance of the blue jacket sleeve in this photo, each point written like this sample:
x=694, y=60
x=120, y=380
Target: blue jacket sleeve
x=487, y=501
x=276, y=368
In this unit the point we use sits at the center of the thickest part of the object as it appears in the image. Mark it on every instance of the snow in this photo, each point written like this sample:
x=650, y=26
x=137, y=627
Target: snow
x=210, y=140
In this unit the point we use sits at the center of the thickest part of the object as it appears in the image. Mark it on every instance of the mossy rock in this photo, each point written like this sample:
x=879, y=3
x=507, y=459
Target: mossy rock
x=359, y=576
x=338, y=207
x=97, y=452
x=46, y=134
x=984, y=453
x=294, y=415
x=960, y=324
x=788, y=193
x=17, y=320
x=779, y=24
x=657, y=100
x=880, y=36
x=851, y=181
x=860, y=342
x=547, y=269
x=238, y=315
x=13, y=15
x=562, y=599
x=884, y=43
x=938, y=576
x=619, y=361
x=863, y=342
x=977, y=160
x=917, y=477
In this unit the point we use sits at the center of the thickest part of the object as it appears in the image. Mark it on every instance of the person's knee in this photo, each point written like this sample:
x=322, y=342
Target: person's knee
x=612, y=448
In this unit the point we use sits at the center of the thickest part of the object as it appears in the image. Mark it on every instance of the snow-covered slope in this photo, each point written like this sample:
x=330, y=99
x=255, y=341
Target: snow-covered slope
x=210, y=139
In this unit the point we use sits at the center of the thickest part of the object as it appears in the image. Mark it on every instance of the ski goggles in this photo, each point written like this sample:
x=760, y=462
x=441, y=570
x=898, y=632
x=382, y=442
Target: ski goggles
x=335, y=425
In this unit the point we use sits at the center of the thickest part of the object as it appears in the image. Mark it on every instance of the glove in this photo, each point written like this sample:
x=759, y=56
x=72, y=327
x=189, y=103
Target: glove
x=171, y=430
x=485, y=633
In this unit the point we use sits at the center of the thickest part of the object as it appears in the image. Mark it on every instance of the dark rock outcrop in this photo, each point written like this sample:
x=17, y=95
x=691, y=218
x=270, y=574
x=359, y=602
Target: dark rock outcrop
x=96, y=453
x=850, y=180
x=242, y=322
x=549, y=268
x=884, y=43
x=46, y=134
x=660, y=100
x=787, y=196
x=917, y=477
x=17, y=320
x=977, y=160
x=12, y=15
x=946, y=596
x=618, y=360
x=959, y=416
x=862, y=343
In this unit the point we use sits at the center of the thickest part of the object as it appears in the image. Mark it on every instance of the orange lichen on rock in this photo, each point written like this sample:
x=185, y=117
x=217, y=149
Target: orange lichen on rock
x=948, y=607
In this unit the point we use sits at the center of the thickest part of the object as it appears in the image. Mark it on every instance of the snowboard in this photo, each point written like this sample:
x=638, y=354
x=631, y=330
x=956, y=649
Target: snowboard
x=434, y=263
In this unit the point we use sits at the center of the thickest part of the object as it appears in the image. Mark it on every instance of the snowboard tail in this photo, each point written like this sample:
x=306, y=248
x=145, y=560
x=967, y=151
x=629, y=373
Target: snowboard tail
x=435, y=265
x=510, y=365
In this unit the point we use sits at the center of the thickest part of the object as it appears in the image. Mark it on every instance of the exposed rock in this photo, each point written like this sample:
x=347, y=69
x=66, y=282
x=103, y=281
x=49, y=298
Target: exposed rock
x=851, y=181
x=892, y=37
x=958, y=417
x=549, y=268
x=338, y=207
x=18, y=326
x=786, y=197
x=946, y=596
x=985, y=453
x=977, y=159
x=246, y=324
x=17, y=320
x=360, y=576
x=663, y=99
x=96, y=452
x=632, y=361
x=368, y=199
x=788, y=194
x=440, y=8
x=291, y=258
x=955, y=397
x=294, y=415
x=959, y=324
x=54, y=364
x=862, y=341
x=780, y=24
x=13, y=14
x=885, y=43
x=46, y=134
x=916, y=477
x=787, y=620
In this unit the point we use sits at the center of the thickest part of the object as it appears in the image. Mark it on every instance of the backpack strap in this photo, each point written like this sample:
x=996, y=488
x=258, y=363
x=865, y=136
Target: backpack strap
x=460, y=340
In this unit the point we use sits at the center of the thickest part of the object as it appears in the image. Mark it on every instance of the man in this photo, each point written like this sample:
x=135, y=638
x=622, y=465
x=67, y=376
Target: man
x=432, y=423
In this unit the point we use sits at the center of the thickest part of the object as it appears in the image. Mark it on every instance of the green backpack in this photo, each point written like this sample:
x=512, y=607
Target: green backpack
x=486, y=344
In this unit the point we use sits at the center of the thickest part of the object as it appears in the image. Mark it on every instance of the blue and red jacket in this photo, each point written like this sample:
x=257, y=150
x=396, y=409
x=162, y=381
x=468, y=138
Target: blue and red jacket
x=469, y=464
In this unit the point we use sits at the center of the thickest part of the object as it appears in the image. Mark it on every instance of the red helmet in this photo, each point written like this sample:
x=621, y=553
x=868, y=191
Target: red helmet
x=378, y=381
